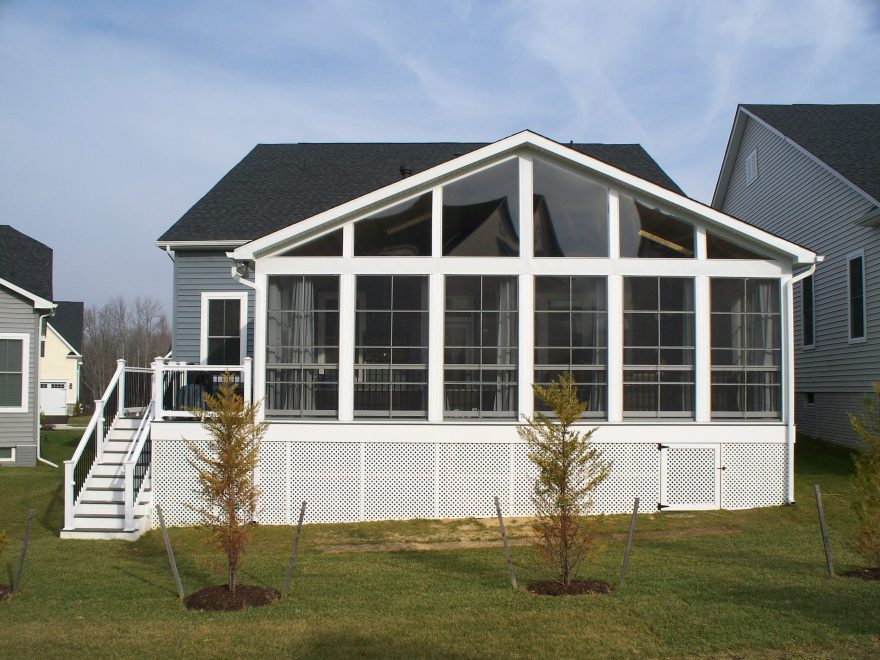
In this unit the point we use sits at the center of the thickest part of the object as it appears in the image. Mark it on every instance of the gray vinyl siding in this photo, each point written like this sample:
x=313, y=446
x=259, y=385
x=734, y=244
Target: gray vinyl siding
x=195, y=272
x=19, y=430
x=827, y=417
x=799, y=199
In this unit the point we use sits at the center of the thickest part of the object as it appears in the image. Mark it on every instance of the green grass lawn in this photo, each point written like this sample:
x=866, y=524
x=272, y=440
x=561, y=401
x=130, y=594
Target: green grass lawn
x=729, y=584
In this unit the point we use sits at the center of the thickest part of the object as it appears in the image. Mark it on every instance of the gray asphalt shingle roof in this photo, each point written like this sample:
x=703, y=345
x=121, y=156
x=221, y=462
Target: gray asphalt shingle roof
x=25, y=262
x=277, y=185
x=68, y=321
x=844, y=137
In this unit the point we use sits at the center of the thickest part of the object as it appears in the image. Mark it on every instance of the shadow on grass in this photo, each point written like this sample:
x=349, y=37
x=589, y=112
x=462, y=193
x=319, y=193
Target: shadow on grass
x=52, y=519
x=348, y=643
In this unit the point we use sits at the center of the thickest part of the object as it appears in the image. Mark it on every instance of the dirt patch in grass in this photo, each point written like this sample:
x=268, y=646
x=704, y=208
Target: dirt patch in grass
x=863, y=573
x=219, y=599
x=5, y=591
x=576, y=588
x=422, y=546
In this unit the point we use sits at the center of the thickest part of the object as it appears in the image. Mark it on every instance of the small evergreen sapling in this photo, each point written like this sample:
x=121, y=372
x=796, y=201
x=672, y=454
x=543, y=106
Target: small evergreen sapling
x=569, y=469
x=867, y=481
x=227, y=495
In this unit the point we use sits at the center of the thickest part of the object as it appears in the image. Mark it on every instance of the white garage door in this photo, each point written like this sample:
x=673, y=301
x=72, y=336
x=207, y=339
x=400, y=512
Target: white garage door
x=53, y=398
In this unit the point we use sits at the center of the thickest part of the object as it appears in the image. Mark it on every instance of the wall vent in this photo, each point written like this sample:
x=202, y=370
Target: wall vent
x=752, y=167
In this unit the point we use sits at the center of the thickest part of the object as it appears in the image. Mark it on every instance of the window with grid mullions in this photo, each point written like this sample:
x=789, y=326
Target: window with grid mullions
x=571, y=336
x=658, y=347
x=480, y=347
x=391, y=346
x=746, y=348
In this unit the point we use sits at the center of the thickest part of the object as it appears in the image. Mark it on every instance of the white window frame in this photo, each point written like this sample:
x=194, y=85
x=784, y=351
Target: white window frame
x=812, y=279
x=208, y=296
x=11, y=458
x=858, y=254
x=25, y=371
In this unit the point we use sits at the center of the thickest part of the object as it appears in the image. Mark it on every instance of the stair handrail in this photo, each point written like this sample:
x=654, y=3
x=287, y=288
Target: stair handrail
x=96, y=426
x=132, y=490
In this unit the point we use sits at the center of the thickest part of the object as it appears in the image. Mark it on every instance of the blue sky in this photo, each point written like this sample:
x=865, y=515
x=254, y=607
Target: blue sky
x=117, y=116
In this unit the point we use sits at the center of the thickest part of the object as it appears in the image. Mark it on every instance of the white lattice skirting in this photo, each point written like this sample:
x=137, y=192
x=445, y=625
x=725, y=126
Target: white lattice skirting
x=352, y=481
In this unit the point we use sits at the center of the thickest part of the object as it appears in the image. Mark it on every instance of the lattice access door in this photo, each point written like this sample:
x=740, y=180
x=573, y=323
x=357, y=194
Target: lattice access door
x=690, y=476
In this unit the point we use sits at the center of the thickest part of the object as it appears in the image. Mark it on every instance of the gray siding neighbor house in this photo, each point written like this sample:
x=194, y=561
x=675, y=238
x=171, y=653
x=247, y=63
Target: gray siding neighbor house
x=811, y=174
x=25, y=300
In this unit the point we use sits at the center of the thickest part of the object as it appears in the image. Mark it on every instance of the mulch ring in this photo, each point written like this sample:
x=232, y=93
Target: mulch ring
x=576, y=588
x=864, y=573
x=219, y=599
x=5, y=591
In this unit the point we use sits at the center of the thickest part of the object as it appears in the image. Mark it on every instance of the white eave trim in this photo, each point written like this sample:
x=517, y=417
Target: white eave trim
x=61, y=337
x=727, y=163
x=258, y=247
x=39, y=303
x=199, y=245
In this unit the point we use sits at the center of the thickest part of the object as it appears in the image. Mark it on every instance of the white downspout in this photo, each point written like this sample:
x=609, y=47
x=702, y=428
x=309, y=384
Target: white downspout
x=789, y=377
x=37, y=385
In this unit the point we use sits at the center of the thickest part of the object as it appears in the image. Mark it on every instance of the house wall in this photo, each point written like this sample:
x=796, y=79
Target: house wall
x=194, y=273
x=56, y=365
x=19, y=429
x=800, y=200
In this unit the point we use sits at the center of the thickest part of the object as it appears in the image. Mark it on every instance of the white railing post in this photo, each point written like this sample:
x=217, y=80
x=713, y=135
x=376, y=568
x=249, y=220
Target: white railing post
x=246, y=378
x=99, y=430
x=68, y=494
x=158, y=387
x=120, y=388
x=128, y=466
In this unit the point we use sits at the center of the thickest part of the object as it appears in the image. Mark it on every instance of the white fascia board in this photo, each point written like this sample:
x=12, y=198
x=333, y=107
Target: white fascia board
x=199, y=245
x=730, y=154
x=64, y=341
x=423, y=180
x=39, y=303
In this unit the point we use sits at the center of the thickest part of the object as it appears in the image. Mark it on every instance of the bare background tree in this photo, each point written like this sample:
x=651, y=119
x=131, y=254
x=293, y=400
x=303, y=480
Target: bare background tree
x=134, y=330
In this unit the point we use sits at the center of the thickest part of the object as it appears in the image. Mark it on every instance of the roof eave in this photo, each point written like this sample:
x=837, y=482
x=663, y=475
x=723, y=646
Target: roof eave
x=38, y=301
x=224, y=244
x=733, y=142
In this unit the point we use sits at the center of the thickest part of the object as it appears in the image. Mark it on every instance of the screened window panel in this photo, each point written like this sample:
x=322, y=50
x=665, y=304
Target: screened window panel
x=480, y=347
x=570, y=214
x=649, y=232
x=329, y=245
x=11, y=373
x=481, y=213
x=658, y=347
x=746, y=353
x=302, y=346
x=391, y=346
x=571, y=336
x=719, y=248
x=401, y=231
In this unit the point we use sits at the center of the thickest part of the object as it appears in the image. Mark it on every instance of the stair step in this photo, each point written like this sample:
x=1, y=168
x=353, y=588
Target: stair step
x=100, y=509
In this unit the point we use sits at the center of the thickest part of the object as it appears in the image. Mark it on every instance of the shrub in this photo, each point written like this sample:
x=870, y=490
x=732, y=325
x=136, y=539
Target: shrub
x=227, y=495
x=569, y=468
x=867, y=481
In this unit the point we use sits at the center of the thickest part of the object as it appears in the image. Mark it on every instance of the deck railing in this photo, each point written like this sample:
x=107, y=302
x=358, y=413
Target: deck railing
x=137, y=464
x=182, y=386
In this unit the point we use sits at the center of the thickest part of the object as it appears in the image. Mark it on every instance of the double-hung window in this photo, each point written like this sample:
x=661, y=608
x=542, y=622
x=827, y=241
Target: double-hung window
x=658, y=347
x=856, y=278
x=571, y=337
x=13, y=372
x=480, y=346
x=223, y=322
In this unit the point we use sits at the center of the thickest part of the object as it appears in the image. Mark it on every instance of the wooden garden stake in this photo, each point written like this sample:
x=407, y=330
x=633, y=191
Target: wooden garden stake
x=504, y=541
x=824, y=531
x=629, y=542
x=24, y=546
x=292, y=560
x=170, y=553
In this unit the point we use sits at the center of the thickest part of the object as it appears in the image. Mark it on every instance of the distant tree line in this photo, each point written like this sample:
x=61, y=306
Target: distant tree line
x=137, y=331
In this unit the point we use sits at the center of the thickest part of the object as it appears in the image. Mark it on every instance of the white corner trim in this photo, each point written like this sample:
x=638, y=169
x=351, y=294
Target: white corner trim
x=25, y=371
x=39, y=303
x=242, y=297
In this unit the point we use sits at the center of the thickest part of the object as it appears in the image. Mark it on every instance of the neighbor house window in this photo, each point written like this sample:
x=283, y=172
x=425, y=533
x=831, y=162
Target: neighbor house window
x=658, y=347
x=391, y=346
x=646, y=231
x=223, y=319
x=480, y=354
x=13, y=372
x=807, y=302
x=302, y=346
x=571, y=337
x=856, y=269
x=746, y=348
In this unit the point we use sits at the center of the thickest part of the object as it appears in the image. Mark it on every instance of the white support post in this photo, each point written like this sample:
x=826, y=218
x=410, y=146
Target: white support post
x=99, y=431
x=128, y=468
x=436, y=479
x=702, y=346
x=246, y=378
x=613, y=224
x=437, y=223
x=362, y=448
x=526, y=353
x=68, y=495
x=615, y=348
x=346, y=346
x=120, y=388
x=526, y=213
x=158, y=388
x=435, y=347
x=788, y=381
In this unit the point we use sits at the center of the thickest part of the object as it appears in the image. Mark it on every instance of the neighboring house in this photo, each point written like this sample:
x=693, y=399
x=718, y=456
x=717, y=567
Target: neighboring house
x=61, y=360
x=390, y=306
x=811, y=174
x=25, y=301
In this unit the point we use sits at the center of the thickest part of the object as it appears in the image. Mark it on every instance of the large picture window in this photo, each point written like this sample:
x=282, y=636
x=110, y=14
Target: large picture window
x=480, y=370
x=302, y=346
x=646, y=231
x=403, y=230
x=658, y=347
x=13, y=372
x=391, y=346
x=746, y=348
x=571, y=336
